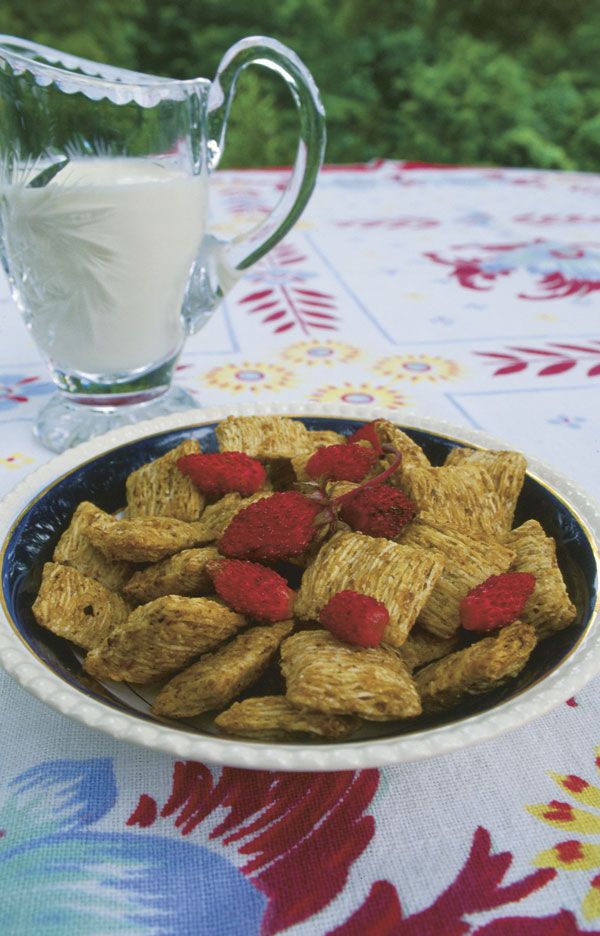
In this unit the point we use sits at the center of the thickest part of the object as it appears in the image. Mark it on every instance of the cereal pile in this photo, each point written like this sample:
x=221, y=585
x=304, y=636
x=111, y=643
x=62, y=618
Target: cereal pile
x=415, y=590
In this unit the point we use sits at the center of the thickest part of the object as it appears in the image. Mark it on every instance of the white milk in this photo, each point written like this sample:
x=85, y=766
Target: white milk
x=100, y=258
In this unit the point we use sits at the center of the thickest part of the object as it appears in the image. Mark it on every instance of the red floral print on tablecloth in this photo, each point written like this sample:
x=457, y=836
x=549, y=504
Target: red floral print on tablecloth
x=554, y=358
x=556, y=269
x=286, y=302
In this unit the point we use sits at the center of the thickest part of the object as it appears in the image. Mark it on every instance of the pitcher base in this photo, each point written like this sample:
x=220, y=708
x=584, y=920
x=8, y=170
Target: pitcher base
x=62, y=423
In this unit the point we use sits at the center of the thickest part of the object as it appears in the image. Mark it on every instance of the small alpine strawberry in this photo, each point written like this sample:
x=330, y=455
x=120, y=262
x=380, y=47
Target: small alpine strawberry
x=496, y=602
x=355, y=618
x=277, y=527
x=252, y=589
x=347, y=462
x=367, y=433
x=223, y=472
x=378, y=511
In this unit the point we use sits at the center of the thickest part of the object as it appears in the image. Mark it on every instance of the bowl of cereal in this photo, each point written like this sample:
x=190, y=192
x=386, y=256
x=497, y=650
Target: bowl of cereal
x=331, y=589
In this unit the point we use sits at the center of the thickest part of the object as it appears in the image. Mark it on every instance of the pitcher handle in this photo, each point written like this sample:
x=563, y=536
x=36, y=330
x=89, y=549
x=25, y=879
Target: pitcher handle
x=224, y=262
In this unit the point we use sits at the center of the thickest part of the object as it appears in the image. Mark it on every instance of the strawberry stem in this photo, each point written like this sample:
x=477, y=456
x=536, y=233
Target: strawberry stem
x=378, y=479
x=329, y=514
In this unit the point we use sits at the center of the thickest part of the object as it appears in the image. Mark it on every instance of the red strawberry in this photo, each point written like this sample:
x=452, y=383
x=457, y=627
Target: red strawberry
x=277, y=527
x=379, y=510
x=223, y=472
x=341, y=462
x=367, y=433
x=250, y=588
x=355, y=618
x=496, y=602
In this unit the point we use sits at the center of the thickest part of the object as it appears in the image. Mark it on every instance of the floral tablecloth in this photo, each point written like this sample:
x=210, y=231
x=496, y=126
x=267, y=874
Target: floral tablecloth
x=466, y=294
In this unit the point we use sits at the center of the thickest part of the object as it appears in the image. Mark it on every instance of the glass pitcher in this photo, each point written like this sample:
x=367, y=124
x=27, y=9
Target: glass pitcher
x=103, y=220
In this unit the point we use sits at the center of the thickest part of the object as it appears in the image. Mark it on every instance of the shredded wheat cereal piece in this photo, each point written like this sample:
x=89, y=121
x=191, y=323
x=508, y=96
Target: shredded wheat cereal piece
x=401, y=577
x=324, y=674
x=506, y=469
x=219, y=677
x=144, y=539
x=421, y=647
x=162, y=637
x=413, y=455
x=467, y=562
x=549, y=608
x=298, y=463
x=182, y=574
x=75, y=549
x=274, y=718
x=75, y=606
x=263, y=437
x=159, y=489
x=459, y=497
x=217, y=517
x=483, y=666
x=319, y=437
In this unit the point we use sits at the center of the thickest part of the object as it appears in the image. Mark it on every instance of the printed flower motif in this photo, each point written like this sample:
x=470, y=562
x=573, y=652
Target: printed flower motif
x=574, y=854
x=245, y=199
x=321, y=352
x=417, y=367
x=359, y=394
x=222, y=847
x=237, y=224
x=16, y=460
x=271, y=849
x=571, y=422
x=441, y=320
x=287, y=307
x=16, y=388
x=286, y=303
x=278, y=268
x=416, y=222
x=250, y=378
x=479, y=886
x=545, y=219
x=557, y=270
x=62, y=873
x=557, y=357
x=276, y=824
x=278, y=276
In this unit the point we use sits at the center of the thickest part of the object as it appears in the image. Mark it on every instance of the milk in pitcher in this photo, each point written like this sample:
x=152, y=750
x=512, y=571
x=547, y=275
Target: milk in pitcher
x=100, y=258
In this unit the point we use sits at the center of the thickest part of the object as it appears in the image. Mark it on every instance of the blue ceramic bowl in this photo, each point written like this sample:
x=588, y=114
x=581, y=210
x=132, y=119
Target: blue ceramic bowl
x=97, y=472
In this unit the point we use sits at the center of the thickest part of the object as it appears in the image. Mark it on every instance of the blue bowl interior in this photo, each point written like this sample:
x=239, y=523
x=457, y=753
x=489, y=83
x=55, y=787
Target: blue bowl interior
x=102, y=481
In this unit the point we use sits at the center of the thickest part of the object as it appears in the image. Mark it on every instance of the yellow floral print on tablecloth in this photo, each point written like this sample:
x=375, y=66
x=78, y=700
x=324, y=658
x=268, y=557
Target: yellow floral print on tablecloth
x=250, y=377
x=417, y=367
x=574, y=854
x=321, y=352
x=15, y=460
x=360, y=394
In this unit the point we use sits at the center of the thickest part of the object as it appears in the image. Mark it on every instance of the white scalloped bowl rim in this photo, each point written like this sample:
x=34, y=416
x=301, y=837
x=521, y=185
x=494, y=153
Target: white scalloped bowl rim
x=564, y=681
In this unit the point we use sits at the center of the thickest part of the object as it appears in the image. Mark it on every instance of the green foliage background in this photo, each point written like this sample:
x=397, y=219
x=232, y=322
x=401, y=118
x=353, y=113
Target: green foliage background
x=510, y=82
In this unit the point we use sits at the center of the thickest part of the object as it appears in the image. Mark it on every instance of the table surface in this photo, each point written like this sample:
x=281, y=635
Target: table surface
x=465, y=294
